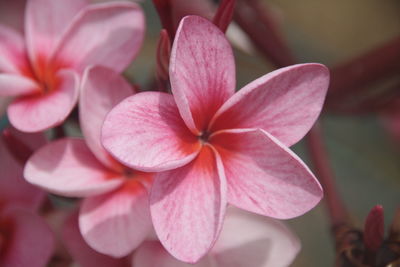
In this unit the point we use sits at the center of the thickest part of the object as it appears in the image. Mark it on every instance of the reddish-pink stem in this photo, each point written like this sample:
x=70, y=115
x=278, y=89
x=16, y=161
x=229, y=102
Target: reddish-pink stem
x=323, y=171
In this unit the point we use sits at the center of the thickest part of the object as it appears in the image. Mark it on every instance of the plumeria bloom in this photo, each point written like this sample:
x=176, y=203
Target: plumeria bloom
x=212, y=146
x=246, y=240
x=61, y=39
x=25, y=238
x=114, y=216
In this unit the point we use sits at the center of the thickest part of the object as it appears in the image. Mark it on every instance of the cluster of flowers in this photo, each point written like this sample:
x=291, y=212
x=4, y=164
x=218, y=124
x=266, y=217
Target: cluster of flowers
x=157, y=171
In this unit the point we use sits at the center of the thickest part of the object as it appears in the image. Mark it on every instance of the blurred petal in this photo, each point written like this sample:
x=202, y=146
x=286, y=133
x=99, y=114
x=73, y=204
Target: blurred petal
x=68, y=168
x=12, y=50
x=31, y=240
x=13, y=188
x=12, y=14
x=146, y=133
x=81, y=252
x=264, y=176
x=101, y=90
x=252, y=240
x=202, y=71
x=153, y=254
x=116, y=223
x=16, y=85
x=188, y=205
x=42, y=111
x=45, y=21
x=108, y=34
x=285, y=103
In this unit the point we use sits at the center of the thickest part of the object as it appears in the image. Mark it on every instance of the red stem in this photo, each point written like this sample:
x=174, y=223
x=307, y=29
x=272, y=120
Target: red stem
x=254, y=19
x=323, y=171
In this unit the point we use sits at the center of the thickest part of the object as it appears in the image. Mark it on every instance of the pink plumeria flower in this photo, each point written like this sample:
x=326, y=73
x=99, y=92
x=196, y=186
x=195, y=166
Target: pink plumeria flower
x=25, y=238
x=114, y=216
x=61, y=39
x=212, y=146
x=246, y=240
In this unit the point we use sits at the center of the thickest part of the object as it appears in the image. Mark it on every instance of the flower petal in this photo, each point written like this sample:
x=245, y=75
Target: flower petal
x=146, y=133
x=116, y=223
x=45, y=21
x=108, y=34
x=31, y=240
x=101, y=90
x=68, y=168
x=12, y=50
x=264, y=176
x=42, y=111
x=252, y=240
x=13, y=188
x=285, y=103
x=81, y=252
x=188, y=205
x=152, y=254
x=202, y=71
x=16, y=85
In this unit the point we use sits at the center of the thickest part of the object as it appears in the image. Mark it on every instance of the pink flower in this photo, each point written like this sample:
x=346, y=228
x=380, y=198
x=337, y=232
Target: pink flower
x=245, y=240
x=25, y=239
x=114, y=217
x=61, y=39
x=212, y=146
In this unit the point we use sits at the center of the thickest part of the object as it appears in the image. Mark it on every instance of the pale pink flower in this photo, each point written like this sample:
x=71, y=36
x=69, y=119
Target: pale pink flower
x=114, y=216
x=25, y=239
x=246, y=240
x=212, y=146
x=61, y=39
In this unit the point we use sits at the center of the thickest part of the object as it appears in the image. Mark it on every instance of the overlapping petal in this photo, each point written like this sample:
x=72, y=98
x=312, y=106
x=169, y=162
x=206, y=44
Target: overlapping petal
x=81, y=252
x=42, y=111
x=285, y=103
x=153, y=254
x=188, y=205
x=202, y=71
x=16, y=85
x=264, y=176
x=252, y=240
x=12, y=50
x=13, y=188
x=117, y=222
x=101, y=90
x=146, y=132
x=67, y=167
x=107, y=34
x=30, y=241
x=45, y=22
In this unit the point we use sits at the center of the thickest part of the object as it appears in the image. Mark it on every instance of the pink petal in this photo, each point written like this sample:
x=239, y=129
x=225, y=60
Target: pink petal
x=67, y=167
x=42, y=111
x=108, y=34
x=116, y=223
x=31, y=241
x=188, y=205
x=264, y=176
x=13, y=188
x=152, y=254
x=285, y=103
x=101, y=90
x=202, y=71
x=146, y=133
x=15, y=85
x=45, y=21
x=251, y=240
x=12, y=50
x=81, y=252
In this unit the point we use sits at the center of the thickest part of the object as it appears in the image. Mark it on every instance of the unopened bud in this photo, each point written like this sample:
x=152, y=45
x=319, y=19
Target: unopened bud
x=374, y=229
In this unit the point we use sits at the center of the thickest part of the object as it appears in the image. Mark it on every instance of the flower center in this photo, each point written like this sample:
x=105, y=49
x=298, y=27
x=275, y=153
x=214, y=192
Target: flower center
x=128, y=173
x=204, y=136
